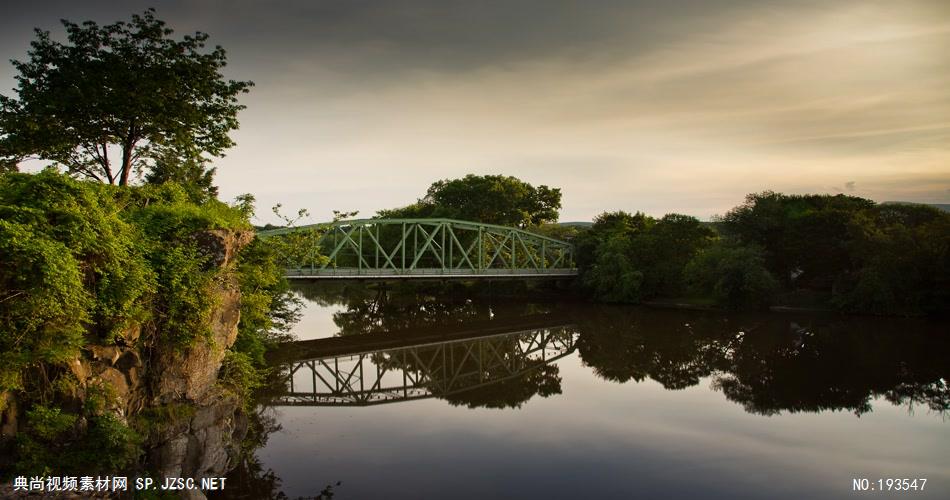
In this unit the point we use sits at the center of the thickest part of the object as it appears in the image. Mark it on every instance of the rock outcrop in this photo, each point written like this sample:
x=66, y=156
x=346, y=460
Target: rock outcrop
x=137, y=376
x=191, y=373
x=206, y=443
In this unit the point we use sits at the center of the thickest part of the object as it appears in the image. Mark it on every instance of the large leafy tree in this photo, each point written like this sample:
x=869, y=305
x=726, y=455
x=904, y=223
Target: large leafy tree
x=498, y=199
x=115, y=98
x=628, y=258
x=806, y=236
x=494, y=199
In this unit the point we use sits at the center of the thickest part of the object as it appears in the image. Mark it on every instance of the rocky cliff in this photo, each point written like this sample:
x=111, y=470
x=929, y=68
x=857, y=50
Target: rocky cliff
x=195, y=427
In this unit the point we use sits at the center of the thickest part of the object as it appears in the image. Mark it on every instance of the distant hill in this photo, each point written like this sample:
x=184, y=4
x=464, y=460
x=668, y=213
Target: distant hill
x=942, y=206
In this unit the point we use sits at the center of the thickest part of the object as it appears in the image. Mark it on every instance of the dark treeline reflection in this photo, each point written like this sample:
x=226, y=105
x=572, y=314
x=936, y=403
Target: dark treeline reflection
x=773, y=363
x=405, y=306
x=768, y=363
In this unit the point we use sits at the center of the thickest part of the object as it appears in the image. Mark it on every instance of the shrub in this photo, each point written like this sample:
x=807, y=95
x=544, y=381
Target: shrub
x=239, y=375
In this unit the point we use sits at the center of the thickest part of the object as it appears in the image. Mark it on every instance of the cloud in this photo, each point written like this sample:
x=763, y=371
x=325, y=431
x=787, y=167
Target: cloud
x=677, y=106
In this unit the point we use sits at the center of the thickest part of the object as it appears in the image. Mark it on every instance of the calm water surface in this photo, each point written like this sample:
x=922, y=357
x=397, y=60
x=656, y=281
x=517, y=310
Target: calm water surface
x=397, y=395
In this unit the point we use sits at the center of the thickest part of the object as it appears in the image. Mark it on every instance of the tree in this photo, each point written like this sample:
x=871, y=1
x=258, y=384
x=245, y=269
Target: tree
x=493, y=199
x=606, y=226
x=734, y=275
x=901, y=262
x=628, y=258
x=666, y=248
x=802, y=236
x=191, y=171
x=614, y=276
x=125, y=88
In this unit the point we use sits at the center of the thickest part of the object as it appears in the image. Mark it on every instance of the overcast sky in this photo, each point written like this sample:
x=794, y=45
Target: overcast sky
x=672, y=106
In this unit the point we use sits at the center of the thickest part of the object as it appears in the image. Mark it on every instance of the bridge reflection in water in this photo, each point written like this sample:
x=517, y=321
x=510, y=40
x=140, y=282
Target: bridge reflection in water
x=430, y=369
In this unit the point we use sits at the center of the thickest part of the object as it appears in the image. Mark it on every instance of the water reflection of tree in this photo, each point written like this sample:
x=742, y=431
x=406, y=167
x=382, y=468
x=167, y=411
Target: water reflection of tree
x=770, y=364
x=767, y=363
x=249, y=478
x=621, y=344
x=503, y=378
x=837, y=366
x=405, y=306
x=544, y=381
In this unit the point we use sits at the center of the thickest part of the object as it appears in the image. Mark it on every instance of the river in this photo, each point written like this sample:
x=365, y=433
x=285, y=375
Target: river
x=396, y=394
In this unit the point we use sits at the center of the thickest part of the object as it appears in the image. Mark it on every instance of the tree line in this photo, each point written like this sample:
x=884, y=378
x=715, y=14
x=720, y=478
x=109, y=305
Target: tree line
x=836, y=251
x=814, y=251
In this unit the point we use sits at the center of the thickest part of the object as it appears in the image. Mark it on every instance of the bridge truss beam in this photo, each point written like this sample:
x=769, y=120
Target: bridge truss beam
x=423, y=247
x=419, y=372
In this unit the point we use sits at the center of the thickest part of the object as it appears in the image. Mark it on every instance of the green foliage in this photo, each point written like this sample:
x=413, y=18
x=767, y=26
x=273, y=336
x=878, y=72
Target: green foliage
x=900, y=258
x=299, y=249
x=44, y=305
x=109, y=444
x=59, y=441
x=735, y=276
x=71, y=267
x=493, y=199
x=557, y=231
x=98, y=396
x=802, y=236
x=8, y=165
x=417, y=210
x=606, y=225
x=185, y=300
x=126, y=86
x=664, y=250
x=184, y=282
x=82, y=262
x=244, y=203
x=190, y=171
x=613, y=276
x=49, y=423
x=629, y=258
x=88, y=260
x=167, y=211
x=156, y=419
x=239, y=375
x=882, y=259
x=268, y=307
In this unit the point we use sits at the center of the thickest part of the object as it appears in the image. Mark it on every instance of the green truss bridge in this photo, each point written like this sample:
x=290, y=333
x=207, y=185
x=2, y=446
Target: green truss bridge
x=383, y=249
